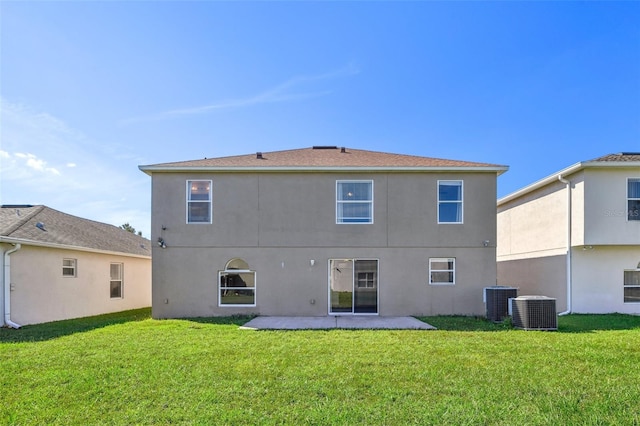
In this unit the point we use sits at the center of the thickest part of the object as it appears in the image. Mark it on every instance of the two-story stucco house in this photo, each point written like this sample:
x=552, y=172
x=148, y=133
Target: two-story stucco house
x=57, y=266
x=322, y=231
x=575, y=236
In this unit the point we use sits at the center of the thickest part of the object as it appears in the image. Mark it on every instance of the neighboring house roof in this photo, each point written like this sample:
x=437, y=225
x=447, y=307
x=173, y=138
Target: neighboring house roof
x=322, y=158
x=44, y=226
x=621, y=159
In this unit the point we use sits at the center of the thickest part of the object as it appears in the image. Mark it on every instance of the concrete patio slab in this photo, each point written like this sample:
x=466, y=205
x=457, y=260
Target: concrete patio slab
x=329, y=322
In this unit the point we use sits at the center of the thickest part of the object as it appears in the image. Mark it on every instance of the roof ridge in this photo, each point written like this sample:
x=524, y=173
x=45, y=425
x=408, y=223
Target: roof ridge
x=20, y=223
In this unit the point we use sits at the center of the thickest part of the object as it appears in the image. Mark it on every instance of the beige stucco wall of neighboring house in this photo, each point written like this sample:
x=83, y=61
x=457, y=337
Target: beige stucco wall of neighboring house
x=533, y=225
x=605, y=207
x=532, y=239
x=544, y=275
x=279, y=222
x=39, y=292
x=598, y=278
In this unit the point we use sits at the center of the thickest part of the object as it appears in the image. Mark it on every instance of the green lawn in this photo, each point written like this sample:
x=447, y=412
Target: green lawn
x=128, y=369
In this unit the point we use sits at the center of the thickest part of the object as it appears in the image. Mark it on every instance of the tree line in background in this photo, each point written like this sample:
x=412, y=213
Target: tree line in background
x=130, y=228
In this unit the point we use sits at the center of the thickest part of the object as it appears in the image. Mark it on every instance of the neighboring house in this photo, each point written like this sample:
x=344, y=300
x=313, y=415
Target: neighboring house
x=322, y=231
x=57, y=266
x=575, y=236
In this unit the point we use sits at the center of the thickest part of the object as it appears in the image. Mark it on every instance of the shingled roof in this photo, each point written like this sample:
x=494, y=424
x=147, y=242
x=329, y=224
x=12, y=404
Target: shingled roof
x=41, y=225
x=622, y=157
x=321, y=158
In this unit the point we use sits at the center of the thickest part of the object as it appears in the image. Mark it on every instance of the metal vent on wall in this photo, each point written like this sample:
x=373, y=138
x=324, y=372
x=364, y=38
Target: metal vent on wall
x=534, y=313
x=496, y=299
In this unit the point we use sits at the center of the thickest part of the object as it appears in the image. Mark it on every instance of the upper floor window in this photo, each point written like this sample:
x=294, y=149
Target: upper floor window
x=354, y=201
x=199, y=201
x=633, y=199
x=449, y=201
x=69, y=267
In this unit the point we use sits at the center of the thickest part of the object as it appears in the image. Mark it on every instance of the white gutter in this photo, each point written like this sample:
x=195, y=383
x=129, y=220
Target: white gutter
x=7, y=287
x=298, y=169
x=569, y=280
x=34, y=243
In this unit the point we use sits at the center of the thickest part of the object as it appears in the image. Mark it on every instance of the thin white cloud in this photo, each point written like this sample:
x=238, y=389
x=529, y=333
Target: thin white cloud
x=35, y=163
x=46, y=161
x=287, y=91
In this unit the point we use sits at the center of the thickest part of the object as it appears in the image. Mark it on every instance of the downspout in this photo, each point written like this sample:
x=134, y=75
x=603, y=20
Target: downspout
x=7, y=287
x=569, y=280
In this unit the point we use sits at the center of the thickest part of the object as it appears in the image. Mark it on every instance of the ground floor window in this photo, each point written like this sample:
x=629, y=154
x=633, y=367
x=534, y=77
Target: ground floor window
x=116, y=282
x=237, y=284
x=69, y=268
x=442, y=271
x=632, y=286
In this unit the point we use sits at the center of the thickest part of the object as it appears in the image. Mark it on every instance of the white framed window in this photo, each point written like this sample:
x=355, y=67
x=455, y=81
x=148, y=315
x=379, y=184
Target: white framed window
x=632, y=286
x=199, y=201
x=116, y=282
x=69, y=268
x=442, y=271
x=633, y=199
x=237, y=284
x=354, y=201
x=450, y=201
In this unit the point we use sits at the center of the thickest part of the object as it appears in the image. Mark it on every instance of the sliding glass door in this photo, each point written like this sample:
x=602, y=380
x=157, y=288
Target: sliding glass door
x=353, y=286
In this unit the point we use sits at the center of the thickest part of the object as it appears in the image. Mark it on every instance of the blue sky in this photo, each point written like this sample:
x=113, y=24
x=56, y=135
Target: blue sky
x=90, y=90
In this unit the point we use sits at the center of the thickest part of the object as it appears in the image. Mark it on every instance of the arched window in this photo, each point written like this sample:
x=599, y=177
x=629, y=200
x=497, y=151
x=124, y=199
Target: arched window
x=237, y=284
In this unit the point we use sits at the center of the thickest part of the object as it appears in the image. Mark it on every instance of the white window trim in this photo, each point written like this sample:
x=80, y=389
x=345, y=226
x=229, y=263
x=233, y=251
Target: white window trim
x=74, y=267
x=338, y=182
x=629, y=286
x=461, y=202
x=121, y=280
x=210, y=201
x=627, y=198
x=442, y=259
x=238, y=271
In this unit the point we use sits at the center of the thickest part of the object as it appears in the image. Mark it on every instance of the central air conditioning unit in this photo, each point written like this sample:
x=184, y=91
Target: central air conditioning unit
x=534, y=313
x=496, y=299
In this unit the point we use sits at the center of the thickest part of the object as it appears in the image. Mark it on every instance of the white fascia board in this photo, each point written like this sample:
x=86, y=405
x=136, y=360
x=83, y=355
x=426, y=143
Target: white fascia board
x=612, y=164
x=566, y=172
x=152, y=169
x=540, y=183
x=9, y=240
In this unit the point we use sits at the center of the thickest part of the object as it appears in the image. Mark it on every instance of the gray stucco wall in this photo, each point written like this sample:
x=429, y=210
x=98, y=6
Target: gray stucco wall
x=279, y=222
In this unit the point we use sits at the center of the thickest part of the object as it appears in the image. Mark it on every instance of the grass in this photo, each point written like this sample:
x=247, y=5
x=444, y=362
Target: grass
x=127, y=369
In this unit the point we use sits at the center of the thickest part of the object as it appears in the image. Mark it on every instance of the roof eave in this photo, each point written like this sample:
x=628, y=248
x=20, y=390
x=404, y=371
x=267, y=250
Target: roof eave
x=616, y=164
x=566, y=172
x=541, y=183
x=11, y=240
x=300, y=169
